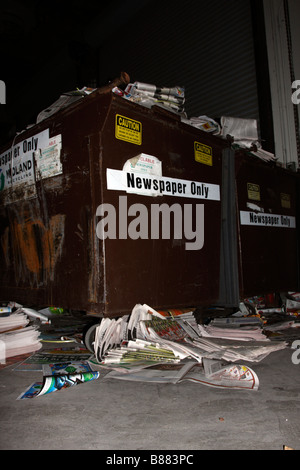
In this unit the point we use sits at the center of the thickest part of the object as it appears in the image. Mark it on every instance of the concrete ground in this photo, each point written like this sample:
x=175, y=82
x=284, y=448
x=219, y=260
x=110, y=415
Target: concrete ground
x=121, y=415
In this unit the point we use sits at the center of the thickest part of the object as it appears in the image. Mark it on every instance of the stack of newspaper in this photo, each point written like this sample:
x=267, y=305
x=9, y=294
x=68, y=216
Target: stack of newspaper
x=204, y=123
x=16, y=335
x=65, y=100
x=12, y=321
x=243, y=131
x=254, y=333
x=245, y=134
x=148, y=95
x=158, y=346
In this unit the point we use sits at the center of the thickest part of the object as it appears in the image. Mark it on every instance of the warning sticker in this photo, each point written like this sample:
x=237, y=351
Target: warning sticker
x=253, y=192
x=203, y=153
x=129, y=130
x=285, y=200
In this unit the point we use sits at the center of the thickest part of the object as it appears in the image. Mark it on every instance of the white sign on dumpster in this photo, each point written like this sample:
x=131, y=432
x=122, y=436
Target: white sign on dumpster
x=153, y=185
x=17, y=164
x=267, y=220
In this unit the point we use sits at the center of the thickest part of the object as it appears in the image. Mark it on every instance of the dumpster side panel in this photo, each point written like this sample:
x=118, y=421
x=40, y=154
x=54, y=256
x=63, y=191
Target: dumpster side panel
x=53, y=252
x=266, y=198
x=48, y=242
x=160, y=272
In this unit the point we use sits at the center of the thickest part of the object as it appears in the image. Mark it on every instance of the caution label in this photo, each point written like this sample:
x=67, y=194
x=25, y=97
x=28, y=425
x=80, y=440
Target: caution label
x=203, y=153
x=129, y=130
x=253, y=191
x=285, y=200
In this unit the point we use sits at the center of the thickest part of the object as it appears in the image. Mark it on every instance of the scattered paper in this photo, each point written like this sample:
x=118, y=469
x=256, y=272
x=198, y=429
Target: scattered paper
x=163, y=347
x=38, y=360
x=242, y=333
x=233, y=376
x=158, y=346
x=59, y=381
x=211, y=373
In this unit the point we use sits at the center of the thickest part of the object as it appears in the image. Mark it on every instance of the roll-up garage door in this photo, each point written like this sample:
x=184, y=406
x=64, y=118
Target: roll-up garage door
x=207, y=47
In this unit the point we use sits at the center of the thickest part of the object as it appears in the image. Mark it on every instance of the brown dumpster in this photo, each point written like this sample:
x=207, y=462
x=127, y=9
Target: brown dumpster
x=106, y=204
x=268, y=215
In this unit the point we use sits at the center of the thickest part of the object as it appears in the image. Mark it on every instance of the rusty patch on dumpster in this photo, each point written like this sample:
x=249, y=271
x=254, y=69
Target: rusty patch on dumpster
x=94, y=272
x=35, y=248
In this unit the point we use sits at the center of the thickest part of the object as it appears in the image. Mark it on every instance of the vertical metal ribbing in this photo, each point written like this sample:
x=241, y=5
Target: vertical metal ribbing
x=292, y=72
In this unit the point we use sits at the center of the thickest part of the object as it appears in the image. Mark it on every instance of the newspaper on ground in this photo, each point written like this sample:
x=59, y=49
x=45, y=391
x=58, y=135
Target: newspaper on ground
x=17, y=336
x=242, y=334
x=21, y=341
x=211, y=373
x=170, y=346
x=57, y=382
x=233, y=350
x=218, y=375
x=13, y=321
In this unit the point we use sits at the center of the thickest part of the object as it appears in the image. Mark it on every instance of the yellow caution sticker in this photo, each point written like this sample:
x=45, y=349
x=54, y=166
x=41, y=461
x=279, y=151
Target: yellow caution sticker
x=129, y=130
x=285, y=200
x=203, y=153
x=253, y=191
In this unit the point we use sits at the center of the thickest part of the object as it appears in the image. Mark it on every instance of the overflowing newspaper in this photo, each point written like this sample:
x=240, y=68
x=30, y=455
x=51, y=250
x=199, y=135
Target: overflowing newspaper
x=150, y=345
x=65, y=100
x=204, y=123
x=148, y=95
x=244, y=132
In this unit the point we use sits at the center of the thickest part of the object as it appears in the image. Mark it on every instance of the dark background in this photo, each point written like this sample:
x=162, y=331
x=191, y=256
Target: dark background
x=215, y=49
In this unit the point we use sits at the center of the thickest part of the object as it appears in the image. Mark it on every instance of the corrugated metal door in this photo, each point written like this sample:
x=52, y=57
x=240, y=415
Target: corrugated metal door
x=207, y=47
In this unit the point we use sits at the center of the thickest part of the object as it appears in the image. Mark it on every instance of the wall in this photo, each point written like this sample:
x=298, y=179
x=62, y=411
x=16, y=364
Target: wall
x=281, y=61
x=294, y=16
x=207, y=47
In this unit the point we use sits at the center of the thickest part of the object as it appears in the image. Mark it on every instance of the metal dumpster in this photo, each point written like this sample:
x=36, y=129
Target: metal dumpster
x=263, y=253
x=107, y=204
